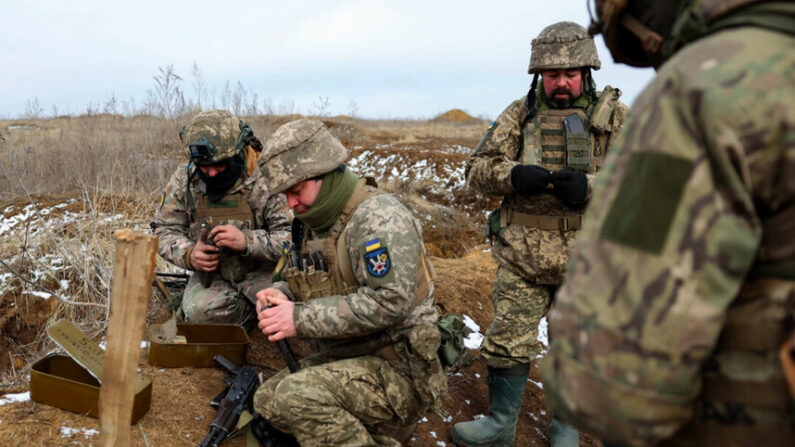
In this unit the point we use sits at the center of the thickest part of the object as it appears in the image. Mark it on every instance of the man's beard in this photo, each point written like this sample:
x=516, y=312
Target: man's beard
x=561, y=102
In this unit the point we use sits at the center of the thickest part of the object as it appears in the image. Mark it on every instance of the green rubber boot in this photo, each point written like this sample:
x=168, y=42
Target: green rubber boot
x=498, y=429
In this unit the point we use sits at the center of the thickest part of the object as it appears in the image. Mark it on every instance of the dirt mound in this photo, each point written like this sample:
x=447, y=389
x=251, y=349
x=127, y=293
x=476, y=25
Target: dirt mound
x=456, y=116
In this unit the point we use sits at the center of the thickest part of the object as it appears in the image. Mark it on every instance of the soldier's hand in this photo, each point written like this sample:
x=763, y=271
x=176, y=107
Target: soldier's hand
x=204, y=257
x=529, y=179
x=228, y=236
x=570, y=185
x=275, y=314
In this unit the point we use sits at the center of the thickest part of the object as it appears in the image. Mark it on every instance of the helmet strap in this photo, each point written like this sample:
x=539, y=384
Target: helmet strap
x=530, y=102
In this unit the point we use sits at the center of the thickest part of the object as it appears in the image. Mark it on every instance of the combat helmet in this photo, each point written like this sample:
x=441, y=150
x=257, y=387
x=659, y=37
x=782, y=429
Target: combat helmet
x=636, y=31
x=563, y=45
x=297, y=151
x=214, y=136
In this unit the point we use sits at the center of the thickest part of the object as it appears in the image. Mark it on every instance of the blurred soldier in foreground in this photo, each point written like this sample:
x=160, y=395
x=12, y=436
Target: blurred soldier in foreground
x=681, y=288
x=358, y=286
x=218, y=219
x=541, y=155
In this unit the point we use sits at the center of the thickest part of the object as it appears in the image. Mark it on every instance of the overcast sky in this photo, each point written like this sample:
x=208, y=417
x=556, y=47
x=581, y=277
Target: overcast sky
x=377, y=58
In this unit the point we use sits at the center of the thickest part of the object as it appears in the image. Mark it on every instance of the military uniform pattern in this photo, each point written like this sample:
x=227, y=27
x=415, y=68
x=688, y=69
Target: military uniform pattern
x=537, y=256
x=663, y=329
x=364, y=400
x=219, y=302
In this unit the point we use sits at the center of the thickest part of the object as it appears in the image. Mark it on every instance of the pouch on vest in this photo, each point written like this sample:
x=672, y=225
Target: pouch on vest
x=452, y=351
x=577, y=139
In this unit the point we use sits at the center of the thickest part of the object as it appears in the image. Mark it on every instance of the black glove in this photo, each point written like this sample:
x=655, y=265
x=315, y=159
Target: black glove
x=570, y=185
x=529, y=179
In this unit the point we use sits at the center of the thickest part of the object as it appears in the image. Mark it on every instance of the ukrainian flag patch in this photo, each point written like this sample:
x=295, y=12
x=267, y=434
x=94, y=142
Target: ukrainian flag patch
x=374, y=244
x=491, y=126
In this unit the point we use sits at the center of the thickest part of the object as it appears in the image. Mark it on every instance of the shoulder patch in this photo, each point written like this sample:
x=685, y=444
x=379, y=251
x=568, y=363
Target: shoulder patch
x=486, y=136
x=377, y=259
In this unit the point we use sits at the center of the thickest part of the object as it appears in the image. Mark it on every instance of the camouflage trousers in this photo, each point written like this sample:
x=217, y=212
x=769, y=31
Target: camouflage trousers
x=519, y=305
x=223, y=301
x=361, y=401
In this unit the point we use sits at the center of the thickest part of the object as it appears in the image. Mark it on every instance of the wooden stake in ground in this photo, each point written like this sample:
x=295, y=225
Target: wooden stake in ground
x=130, y=292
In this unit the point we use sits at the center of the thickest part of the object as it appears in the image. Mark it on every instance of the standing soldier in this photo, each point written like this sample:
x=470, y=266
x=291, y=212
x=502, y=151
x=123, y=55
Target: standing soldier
x=681, y=289
x=541, y=155
x=218, y=219
x=358, y=286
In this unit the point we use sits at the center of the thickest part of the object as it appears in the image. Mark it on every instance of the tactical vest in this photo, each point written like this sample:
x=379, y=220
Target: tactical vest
x=232, y=209
x=554, y=139
x=745, y=401
x=310, y=282
x=575, y=137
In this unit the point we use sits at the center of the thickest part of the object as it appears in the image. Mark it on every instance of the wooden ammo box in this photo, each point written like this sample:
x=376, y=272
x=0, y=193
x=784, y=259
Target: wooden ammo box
x=72, y=381
x=202, y=342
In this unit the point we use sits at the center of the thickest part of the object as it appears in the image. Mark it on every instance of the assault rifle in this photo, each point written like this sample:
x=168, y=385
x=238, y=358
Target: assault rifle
x=232, y=401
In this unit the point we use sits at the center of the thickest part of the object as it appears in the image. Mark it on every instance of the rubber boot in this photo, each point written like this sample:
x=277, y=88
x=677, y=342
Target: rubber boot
x=498, y=429
x=561, y=434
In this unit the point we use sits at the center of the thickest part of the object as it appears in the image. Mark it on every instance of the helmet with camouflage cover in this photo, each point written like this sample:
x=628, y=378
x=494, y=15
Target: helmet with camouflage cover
x=214, y=136
x=297, y=151
x=563, y=45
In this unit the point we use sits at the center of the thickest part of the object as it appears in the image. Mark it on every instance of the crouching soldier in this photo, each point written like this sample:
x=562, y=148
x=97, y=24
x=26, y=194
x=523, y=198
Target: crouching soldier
x=218, y=219
x=357, y=286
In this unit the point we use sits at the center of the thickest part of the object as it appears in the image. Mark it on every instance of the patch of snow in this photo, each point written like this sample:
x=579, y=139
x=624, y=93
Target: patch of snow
x=38, y=294
x=470, y=323
x=538, y=384
x=432, y=433
x=477, y=375
x=441, y=443
x=447, y=419
x=467, y=401
x=543, y=336
x=479, y=416
x=424, y=419
x=14, y=398
x=68, y=432
x=473, y=340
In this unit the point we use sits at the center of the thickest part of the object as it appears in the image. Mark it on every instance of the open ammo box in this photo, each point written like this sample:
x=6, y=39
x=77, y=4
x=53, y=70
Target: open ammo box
x=202, y=343
x=72, y=381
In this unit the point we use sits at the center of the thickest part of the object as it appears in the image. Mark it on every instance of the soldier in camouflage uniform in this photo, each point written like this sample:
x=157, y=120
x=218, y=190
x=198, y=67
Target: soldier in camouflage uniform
x=681, y=287
x=358, y=287
x=221, y=187
x=540, y=154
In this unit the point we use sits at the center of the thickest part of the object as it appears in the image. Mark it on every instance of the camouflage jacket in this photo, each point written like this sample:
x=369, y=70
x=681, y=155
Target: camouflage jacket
x=380, y=302
x=537, y=255
x=681, y=284
x=386, y=304
x=172, y=221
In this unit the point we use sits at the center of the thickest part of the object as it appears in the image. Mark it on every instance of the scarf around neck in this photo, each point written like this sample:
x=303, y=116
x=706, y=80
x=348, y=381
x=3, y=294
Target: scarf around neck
x=334, y=193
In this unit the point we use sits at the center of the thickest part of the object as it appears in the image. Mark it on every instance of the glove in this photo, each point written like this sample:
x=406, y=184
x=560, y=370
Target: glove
x=570, y=185
x=529, y=179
